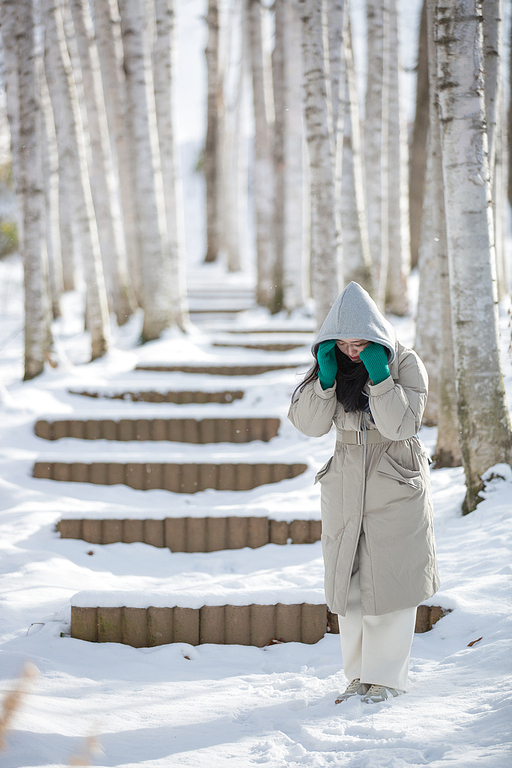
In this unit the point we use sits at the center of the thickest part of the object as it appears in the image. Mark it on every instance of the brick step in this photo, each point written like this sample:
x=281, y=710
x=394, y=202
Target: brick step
x=199, y=431
x=194, y=534
x=282, y=346
x=179, y=478
x=180, y=398
x=218, y=370
x=256, y=625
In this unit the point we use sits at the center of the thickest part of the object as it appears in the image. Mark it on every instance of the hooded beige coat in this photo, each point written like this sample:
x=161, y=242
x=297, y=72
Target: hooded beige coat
x=375, y=496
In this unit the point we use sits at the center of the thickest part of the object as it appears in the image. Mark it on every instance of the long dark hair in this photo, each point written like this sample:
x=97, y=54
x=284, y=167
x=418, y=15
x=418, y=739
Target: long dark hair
x=350, y=380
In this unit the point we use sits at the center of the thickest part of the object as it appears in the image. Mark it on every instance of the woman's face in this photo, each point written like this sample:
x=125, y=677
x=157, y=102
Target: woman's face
x=352, y=347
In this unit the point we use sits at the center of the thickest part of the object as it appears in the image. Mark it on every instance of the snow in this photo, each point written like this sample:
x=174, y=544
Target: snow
x=212, y=706
x=216, y=705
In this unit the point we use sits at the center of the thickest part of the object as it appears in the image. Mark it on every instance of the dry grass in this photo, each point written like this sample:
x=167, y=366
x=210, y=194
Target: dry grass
x=14, y=700
x=90, y=748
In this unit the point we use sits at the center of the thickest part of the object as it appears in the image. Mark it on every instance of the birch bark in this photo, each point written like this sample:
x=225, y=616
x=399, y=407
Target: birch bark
x=101, y=176
x=325, y=241
x=447, y=452
x=376, y=140
x=418, y=154
x=108, y=40
x=71, y=149
x=51, y=195
x=10, y=55
x=399, y=257
x=213, y=161
x=163, y=78
x=354, y=230
x=486, y=436
x=156, y=273
x=264, y=182
x=37, y=323
x=294, y=251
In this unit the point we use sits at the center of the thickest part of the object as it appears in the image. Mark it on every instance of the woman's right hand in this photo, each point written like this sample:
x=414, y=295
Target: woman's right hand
x=328, y=367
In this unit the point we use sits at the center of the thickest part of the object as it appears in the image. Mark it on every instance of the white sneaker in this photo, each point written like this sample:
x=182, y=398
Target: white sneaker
x=355, y=688
x=378, y=693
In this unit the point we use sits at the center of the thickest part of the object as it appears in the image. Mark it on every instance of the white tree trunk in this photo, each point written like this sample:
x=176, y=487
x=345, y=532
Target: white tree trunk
x=264, y=183
x=334, y=18
x=235, y=150
x=437, y=331
x=103, y=187
x=294, y=251
x=37, y=323
x=325, y=241
x=418, y=153
x=486, y=436
x=376, y=141
x=213, y=152
x=159, y=314
x=493, y=55
x=10, y=60
x=51, y=195
x=71, y=149
x=163, y=74
x=108, y=40
x=354, y=226
x=399, y=256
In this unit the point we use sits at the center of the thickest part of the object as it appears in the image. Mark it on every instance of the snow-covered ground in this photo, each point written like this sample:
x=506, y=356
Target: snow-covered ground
x=213, y=705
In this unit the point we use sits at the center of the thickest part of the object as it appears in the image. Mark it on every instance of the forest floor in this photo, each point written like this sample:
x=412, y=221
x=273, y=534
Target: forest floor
x=216, y=705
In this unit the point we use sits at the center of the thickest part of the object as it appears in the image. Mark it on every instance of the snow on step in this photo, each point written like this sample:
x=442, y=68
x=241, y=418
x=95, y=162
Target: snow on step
x=193, y=534
x=179, y=478
x=165, y=396
x=186, y=430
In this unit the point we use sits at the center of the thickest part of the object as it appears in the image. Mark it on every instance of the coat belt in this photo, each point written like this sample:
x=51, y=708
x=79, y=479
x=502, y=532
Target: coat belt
x=353, y=437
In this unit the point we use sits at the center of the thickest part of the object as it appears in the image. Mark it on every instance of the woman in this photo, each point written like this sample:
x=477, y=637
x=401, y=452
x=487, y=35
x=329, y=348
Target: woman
x=377, y=531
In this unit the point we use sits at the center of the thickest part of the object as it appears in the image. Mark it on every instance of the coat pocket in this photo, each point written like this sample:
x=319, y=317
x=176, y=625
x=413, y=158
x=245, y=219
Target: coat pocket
x=321, y=472
x=390, y=468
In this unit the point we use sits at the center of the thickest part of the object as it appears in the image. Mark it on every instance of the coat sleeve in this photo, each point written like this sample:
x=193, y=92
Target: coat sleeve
x=312, y=410
x=397, y=404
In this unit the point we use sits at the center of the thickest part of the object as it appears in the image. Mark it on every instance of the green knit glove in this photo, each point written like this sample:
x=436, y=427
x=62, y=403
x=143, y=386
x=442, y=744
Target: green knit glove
x=375, y=360
x=326, y=357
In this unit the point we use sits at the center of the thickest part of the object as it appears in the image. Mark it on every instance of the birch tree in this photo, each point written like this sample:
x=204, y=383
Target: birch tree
x=108, y=40
x=37, y=327
x=71, y=150
x=492, y=49
x=102, y=180
x=485, y=431
x=399, y=257
x=325, y=241
x=447, y=452
x=264, y=182
x=213, y=155
x=10, y=57
x=354, y=230
x=156, y=271
x=376, y=140
x=289, y=138
x=164, y=47
x=418, y=153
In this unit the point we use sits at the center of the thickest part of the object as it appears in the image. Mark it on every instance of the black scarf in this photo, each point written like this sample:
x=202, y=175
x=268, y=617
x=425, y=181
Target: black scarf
x=350, y=380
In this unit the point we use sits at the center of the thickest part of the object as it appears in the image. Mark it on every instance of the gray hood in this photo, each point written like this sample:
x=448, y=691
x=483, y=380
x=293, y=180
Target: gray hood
x=355, y=315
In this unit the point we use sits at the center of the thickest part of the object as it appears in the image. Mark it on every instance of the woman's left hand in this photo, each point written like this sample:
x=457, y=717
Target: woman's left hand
x=375, y=359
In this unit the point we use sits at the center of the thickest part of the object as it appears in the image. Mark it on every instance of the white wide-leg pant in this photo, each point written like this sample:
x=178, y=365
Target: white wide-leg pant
x=376, y=649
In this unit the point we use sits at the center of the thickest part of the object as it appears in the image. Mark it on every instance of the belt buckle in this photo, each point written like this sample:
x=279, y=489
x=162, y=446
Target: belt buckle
x=359, y=438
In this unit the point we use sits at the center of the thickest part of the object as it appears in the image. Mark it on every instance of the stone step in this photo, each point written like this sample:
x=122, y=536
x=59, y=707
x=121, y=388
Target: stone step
x=179, y=478
x=194, y=534
x=256, y=625
x=199, y=431
x=282, y=346
x=218, y=370
x=151, y=396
